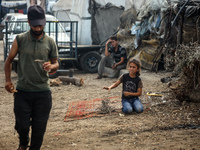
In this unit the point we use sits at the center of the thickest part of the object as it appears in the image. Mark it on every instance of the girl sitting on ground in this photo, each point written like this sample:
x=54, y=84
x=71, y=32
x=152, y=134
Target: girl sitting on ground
x=132, y=88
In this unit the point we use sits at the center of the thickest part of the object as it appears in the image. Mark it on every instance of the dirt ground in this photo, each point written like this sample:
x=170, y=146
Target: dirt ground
x=165, y=123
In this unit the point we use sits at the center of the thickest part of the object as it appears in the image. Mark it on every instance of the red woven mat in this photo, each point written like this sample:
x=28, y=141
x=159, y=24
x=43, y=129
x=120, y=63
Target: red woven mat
x=89, y=108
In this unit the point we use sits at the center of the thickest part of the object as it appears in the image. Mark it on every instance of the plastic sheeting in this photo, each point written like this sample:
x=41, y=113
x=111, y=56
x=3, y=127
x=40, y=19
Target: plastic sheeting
x=114, y=2
x=62, y=5
x=79, y=12
x=105, y=20
x=128, y=18
x=150, y=15
x=136, y=3
x=87, y=28
x=147, y=52
x=61, y=10
x=75, y=10
x=100, y=23
x=151, y=6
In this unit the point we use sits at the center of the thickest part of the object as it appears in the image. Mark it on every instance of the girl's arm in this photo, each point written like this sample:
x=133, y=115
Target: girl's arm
x=113, y=85
x=139, y=93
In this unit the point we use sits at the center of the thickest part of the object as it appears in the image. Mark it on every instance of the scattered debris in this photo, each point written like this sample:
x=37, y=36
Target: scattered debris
x=55, y=82
x=165, y=80
x=73, y=80
x=121, y=115
x=66, y=80
x=154, y=94
x=105, y=108
x=187, y=87
x=56, y=134
x=73, y=144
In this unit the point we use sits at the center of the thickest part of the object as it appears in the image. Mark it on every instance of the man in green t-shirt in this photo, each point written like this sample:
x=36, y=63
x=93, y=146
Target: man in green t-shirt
x=32, y=97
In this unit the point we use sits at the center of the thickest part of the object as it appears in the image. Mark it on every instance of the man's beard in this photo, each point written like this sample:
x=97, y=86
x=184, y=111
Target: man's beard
x=36, y=33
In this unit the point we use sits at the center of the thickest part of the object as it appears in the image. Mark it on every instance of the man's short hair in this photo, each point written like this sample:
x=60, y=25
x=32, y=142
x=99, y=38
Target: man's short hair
x=113, y=38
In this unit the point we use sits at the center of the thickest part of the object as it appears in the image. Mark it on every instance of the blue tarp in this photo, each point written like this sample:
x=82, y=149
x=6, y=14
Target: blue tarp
x=144, y=28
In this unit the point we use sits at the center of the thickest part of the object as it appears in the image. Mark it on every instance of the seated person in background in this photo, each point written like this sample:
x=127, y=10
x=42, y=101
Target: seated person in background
x=117, y=62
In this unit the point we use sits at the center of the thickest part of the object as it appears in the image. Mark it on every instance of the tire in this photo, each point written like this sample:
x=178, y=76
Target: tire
x=89, y=62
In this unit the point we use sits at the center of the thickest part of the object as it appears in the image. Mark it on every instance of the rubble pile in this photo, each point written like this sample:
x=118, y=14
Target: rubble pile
x=187, y=60
x=105, y=108
x=165, y=35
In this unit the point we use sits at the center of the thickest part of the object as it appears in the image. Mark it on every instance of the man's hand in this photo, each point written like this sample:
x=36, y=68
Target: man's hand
x=47, y=66
x=109, y=41
x=10, y=87
x=106, y=47
x=114, y=66
x=127, y=93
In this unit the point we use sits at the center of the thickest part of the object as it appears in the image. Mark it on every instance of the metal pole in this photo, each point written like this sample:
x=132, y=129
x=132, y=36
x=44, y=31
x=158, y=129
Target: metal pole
x=71, y=39
x=76, y=39
x=0, y=11
x=173, y=22
x=56, y=33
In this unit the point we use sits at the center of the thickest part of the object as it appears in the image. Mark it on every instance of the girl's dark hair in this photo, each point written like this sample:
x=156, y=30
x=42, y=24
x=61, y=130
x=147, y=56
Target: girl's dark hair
x=138, y=64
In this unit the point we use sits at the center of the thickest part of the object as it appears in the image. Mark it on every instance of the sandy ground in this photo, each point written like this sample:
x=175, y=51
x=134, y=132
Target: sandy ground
x=165, y=123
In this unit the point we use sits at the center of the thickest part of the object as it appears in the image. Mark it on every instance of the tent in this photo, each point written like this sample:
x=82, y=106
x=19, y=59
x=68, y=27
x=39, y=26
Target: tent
x=105, y=20
x=79, y=13
x=61, y=10
x=134, y=3
x=82, y=11
x=114, y=2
